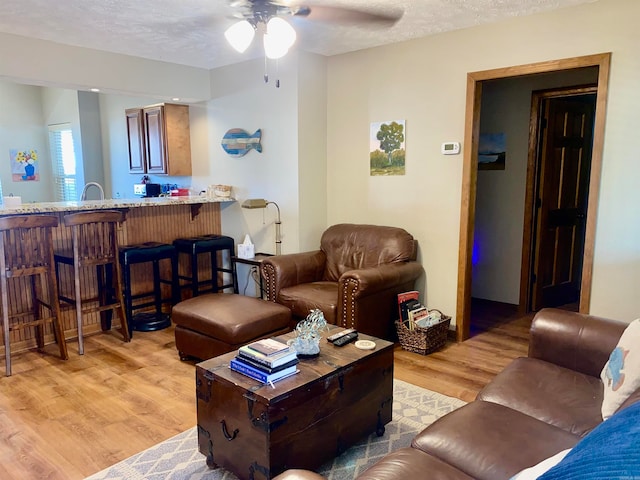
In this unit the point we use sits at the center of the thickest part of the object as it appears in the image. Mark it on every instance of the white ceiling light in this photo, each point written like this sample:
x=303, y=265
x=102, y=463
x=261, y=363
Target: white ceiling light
x=278, y=38
x=240, y=35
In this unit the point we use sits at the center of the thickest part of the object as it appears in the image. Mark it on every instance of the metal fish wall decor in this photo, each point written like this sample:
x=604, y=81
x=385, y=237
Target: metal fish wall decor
x=237, y=142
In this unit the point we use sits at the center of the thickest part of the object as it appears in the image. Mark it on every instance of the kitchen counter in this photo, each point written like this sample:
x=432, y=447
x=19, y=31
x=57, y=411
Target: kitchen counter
x=116, y=203
x=163, y=220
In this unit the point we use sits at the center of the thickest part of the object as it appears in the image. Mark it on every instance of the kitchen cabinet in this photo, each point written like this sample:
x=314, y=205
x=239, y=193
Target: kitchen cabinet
x=135, y=135
x=159, y=139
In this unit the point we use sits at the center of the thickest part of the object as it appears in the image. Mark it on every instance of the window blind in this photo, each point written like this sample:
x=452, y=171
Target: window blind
x=63, y=158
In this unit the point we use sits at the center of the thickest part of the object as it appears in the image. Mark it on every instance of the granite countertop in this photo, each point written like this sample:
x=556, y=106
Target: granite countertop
x=47, y=207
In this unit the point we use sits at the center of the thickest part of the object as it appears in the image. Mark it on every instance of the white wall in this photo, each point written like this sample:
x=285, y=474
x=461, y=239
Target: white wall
x=91, y=131
x=424, y=82
x=312, y=150
x=506, y=108
x=60, y=105
x=240, y=99
x=22, y=126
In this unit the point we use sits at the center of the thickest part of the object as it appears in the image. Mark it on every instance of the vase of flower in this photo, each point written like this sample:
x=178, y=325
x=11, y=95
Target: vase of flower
x=308, y=334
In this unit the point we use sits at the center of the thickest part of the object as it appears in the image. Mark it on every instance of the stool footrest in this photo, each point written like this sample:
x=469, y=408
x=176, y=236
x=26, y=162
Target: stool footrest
x=150, y=321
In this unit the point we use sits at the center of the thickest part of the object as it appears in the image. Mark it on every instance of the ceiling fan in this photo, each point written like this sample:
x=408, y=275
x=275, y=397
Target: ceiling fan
x=263, y=10
x=268, y=18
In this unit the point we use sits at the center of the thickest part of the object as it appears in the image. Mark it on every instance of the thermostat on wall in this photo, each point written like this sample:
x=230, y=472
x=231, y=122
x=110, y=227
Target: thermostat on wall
x=450, y=148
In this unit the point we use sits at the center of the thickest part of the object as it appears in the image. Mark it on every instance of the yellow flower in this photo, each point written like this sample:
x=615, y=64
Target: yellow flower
x=34, y=155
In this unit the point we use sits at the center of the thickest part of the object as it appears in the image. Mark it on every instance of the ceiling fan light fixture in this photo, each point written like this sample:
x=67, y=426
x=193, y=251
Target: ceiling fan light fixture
x=280, y=28
x=279, y=37
x=274, y=49
x=240, y=35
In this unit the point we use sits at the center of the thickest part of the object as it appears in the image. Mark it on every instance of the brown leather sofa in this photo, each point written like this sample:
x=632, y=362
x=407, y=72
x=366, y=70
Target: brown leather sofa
x=354, y=277
x=536, y=407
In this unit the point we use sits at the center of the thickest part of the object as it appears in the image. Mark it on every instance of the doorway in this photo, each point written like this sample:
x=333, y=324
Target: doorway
x=470, y=171
x=561, y=145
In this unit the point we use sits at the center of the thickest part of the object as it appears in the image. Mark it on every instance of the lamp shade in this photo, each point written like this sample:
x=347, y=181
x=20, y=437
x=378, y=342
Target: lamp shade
x=254, y=203
x=240, y=35
x=279, y=37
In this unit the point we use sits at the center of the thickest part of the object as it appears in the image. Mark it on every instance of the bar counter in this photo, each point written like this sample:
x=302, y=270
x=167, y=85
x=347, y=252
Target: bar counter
x=115, y=203
x=161, y=219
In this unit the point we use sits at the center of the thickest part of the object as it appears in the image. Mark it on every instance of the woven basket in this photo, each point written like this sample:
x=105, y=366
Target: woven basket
x=423, y=340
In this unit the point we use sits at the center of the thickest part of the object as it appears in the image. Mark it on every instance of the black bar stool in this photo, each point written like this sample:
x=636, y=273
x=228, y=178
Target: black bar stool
x=211, y=244
x=149, y=252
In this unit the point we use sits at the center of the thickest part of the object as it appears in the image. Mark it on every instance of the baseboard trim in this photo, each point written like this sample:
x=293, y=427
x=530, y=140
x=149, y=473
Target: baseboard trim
x=452, y=334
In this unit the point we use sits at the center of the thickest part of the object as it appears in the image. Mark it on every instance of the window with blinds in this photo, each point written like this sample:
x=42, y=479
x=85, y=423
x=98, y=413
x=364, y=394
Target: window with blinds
x=63, y=158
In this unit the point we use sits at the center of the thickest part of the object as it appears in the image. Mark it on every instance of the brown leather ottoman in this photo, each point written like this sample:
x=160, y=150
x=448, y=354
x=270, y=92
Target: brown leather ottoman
x=217, y=323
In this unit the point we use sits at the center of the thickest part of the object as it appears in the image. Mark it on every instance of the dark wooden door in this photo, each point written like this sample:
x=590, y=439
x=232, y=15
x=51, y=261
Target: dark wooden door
x=562, y=192
x=155, y=137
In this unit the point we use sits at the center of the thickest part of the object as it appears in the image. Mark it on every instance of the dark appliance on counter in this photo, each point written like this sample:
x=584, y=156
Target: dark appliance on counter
x=147, y=189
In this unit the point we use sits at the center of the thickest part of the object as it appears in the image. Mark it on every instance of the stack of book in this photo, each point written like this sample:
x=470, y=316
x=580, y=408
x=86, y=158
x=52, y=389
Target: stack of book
x=266, y=360
x=411, y=311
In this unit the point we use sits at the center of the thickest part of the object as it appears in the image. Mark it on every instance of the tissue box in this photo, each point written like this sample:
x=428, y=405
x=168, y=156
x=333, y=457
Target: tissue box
x=11, y=201
x=246, y=251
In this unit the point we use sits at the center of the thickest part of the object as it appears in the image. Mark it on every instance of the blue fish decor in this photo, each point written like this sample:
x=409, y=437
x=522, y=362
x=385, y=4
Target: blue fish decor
x=237, y=142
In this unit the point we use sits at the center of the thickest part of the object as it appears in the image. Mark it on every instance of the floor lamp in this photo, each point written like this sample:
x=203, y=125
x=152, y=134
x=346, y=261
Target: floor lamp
x=262, y=203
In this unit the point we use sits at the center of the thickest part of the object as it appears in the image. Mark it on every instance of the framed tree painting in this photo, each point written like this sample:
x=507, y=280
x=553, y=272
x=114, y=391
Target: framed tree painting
x=387, y=148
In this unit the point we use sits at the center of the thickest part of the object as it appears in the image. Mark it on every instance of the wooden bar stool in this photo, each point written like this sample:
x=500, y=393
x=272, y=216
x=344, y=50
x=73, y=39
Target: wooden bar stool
x=211, y=244
x=95, y=244
x=26, y=258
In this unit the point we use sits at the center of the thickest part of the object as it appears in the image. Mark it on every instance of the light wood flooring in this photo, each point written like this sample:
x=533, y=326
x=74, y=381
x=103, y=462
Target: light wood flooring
x=68, y=420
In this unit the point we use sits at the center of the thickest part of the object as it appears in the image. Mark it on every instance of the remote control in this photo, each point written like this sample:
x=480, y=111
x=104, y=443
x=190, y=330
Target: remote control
x=335, y=336
x=349, y=337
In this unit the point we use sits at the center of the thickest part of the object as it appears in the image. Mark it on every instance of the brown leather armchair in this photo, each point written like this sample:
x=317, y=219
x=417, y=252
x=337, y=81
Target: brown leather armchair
x=354, y=277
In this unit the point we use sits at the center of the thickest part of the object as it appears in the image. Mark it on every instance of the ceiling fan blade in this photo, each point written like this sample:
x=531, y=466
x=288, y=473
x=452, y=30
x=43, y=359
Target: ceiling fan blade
x=347, y=16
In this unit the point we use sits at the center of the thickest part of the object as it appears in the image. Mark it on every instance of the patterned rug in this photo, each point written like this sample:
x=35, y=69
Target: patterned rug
x=178, y=458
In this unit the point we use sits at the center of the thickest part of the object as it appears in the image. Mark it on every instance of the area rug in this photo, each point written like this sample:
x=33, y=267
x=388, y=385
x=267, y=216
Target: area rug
x=178, y=458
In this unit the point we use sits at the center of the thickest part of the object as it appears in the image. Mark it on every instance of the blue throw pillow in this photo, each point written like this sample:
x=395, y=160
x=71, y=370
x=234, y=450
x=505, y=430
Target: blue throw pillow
x=611, y=450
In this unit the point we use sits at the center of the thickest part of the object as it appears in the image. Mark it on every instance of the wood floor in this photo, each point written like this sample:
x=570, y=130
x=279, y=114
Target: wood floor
x=68, y=420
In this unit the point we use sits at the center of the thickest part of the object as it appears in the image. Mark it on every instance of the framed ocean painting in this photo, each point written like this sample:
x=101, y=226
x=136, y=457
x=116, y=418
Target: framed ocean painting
x=492, y=151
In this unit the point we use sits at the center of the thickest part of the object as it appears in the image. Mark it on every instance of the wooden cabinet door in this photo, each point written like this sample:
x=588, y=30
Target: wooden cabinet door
x=156, y=142
x=177, y=139
x=135, y=137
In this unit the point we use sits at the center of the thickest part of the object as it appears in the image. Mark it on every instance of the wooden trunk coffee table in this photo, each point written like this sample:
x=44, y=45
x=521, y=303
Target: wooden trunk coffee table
x=257, y=431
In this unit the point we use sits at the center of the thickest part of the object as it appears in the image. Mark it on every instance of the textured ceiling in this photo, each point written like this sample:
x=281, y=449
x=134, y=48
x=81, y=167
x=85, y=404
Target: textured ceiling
x=190, y=32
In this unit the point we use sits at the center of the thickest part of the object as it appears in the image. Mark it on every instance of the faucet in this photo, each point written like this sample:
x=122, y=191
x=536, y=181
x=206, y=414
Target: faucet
x=91, y=184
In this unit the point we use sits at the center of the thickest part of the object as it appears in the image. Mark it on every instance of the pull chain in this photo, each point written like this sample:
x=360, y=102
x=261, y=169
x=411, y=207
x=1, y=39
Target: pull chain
x=266, y=70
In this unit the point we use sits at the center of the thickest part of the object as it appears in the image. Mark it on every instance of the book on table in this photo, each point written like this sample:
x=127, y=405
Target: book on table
x=270, y=361
x=237, y=365
x=269, y=346
x=266, y=368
